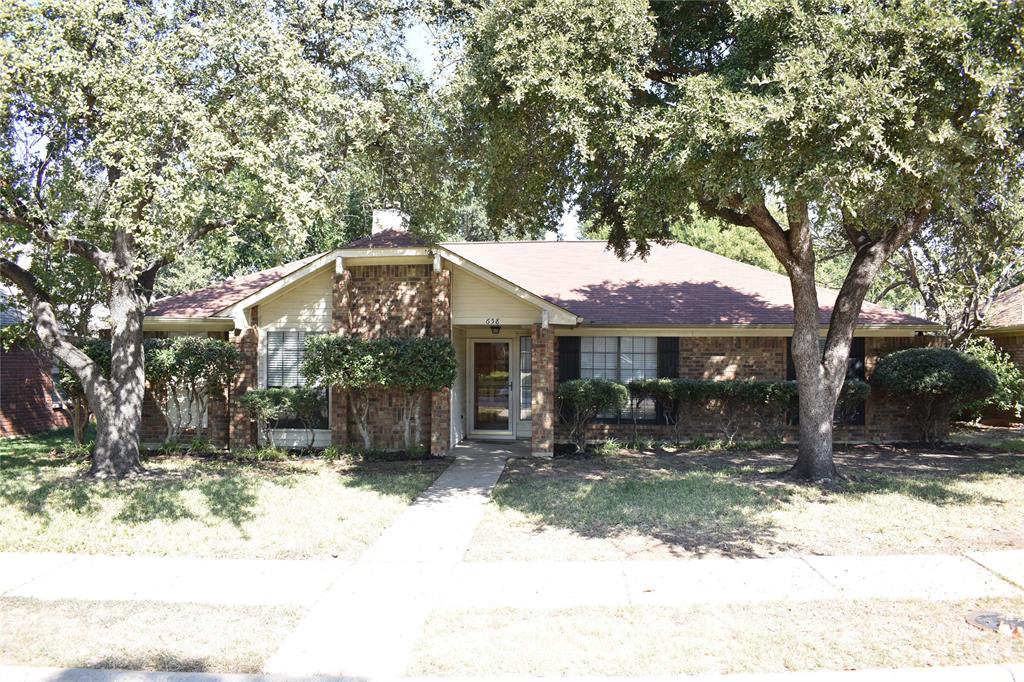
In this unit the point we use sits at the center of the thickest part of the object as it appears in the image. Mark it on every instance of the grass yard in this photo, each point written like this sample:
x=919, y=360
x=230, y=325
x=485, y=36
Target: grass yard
x=661, y=504
x=141, y=635
x=186, y=506
x=710, y=639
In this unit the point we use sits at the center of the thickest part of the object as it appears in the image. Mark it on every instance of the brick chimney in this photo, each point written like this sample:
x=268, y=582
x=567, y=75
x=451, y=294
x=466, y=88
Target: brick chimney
x=389, y=219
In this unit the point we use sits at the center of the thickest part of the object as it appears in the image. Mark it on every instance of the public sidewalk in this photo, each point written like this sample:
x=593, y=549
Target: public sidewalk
x=421, y=555
x=1013, y=672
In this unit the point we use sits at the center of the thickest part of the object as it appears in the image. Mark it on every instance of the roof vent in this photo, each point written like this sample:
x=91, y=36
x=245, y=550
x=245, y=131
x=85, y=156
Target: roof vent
x=389, y=219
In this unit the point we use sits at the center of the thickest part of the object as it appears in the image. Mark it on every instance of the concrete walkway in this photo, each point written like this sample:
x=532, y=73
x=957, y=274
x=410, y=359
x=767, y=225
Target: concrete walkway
x=1011, y=672
x=368, y=621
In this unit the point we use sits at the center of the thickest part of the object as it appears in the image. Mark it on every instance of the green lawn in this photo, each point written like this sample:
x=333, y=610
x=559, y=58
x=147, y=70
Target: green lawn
x=710, y=639
x=186, y=506
x=141, y=635
x=664, y=504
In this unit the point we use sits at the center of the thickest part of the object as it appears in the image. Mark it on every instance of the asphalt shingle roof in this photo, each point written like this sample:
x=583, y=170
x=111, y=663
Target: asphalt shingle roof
x=676, y=285
x=1008, y=309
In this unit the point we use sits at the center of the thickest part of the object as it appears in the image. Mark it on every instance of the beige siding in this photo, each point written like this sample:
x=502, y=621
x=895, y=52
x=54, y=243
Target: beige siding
x=304, y=306
x=474, y=301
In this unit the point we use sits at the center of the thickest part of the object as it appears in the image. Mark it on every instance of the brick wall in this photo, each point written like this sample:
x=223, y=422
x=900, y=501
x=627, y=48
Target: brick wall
x=732, y=357
x=1014, y=345
x=765, y=358
x=542, y=422
x=371, y=301
x=26, y=395
x=241, y=430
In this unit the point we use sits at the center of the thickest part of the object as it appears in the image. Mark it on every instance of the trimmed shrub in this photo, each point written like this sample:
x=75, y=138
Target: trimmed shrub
x=421, y=364
x=265, y=406
x=851, y=396
x=1009, y=396
x=935, y=383
x=356, y=366
x=766, y=401
x=182, y=373
x=581, y=400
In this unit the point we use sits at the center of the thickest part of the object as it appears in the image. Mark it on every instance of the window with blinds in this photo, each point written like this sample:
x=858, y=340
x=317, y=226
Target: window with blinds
x=285, y=352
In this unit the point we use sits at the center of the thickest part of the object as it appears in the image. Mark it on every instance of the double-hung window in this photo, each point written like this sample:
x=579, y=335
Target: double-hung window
x=285, y=352
x=623, y=359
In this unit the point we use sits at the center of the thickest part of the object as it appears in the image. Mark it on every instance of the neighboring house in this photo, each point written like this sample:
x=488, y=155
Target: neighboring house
x=29, y=402
x=1004, y=323
x=522, y=316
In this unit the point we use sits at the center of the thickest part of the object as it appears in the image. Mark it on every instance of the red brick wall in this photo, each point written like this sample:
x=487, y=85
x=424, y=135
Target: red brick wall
x=371, y=301
x=241, y=430
x=1012, y=344
x=542, y=423
x=26, y=402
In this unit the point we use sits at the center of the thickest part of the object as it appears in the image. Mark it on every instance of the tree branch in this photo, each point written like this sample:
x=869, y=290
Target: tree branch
x=103, y=260
x=48, y=329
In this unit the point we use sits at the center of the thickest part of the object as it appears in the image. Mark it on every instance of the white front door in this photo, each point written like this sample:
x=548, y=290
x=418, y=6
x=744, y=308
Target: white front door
x=490, y=394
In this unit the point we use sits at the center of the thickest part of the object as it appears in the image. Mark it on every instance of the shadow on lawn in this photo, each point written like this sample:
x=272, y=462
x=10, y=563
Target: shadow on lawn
x=692, y=513
x=700, y=503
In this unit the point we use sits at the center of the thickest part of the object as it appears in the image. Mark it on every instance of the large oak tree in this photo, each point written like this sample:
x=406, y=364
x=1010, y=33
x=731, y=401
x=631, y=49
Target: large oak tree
x=797, y=119
x=132, y=129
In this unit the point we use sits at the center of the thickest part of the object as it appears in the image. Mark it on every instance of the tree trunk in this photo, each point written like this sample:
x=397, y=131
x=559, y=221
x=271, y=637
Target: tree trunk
x=116, y=452
x=119, y=413
x=416, y=421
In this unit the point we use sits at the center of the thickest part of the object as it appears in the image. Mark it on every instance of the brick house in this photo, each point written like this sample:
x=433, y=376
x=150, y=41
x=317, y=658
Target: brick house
x=1004, y=323
x=522, y=317
x=28, y=399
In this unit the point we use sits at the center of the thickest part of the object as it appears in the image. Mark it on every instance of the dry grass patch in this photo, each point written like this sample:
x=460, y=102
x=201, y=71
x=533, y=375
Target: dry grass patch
x=710, y=639
x=186, y=506
x=141, y=635
x=665, y=504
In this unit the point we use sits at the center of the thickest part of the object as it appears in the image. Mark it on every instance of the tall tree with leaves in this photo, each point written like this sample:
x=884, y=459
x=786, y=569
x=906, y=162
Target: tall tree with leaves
x=965, y=255
x=793, y=119
x=131, y=129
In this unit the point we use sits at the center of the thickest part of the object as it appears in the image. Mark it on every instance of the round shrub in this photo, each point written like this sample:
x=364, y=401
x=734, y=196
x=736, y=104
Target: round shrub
x=934, y=383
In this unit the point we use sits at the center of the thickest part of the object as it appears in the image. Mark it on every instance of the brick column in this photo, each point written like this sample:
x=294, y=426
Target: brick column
x=542, y=424
x=341, y=323
x=441, y=325
x=242, y=432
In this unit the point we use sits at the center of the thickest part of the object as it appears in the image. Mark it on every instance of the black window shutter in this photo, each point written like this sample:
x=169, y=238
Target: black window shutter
x=668, y=357
x=855, y=365
x=568, y=358
x=790, y=367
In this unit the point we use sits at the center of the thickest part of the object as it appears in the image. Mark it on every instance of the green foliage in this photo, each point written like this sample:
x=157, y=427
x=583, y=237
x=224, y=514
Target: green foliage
x=99, y=351
x=268, y=405
x=852, y=395
x=265, y=406
x=358, y=366
x=423, y=363
x=1009, y=396
x=735, y=399
x=580, y=401
x=183, y=373
x=934, y=383
x=346, y=362
x=256, y=455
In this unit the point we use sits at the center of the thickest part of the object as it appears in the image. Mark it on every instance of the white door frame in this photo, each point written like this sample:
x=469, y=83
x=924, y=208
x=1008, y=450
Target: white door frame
x=513, y=369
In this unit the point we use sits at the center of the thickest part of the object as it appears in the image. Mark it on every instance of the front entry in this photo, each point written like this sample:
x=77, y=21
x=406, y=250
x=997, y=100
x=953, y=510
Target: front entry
x=491, y=395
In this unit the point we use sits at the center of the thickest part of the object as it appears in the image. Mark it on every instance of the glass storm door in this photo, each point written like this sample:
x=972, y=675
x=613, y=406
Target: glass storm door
x=492, y=386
